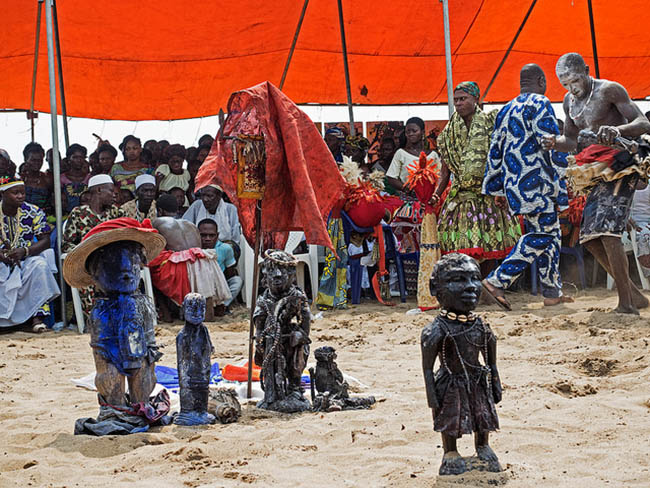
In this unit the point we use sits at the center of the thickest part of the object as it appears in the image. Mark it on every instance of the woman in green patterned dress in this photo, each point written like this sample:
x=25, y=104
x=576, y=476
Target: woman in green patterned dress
x=470, y=222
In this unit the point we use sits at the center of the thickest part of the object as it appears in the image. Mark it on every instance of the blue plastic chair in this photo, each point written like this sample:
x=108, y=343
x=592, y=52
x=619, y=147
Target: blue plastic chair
x=354, y=264
x=392, y=254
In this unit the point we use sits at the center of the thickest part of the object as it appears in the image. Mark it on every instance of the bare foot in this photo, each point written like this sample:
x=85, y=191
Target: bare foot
x=452, y=463
x=496, y=295
x=485, y=453
x=551, y=302
x=632, y=310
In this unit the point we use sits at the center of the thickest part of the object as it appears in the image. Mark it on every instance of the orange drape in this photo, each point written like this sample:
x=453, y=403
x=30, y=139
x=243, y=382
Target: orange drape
x=170, y=59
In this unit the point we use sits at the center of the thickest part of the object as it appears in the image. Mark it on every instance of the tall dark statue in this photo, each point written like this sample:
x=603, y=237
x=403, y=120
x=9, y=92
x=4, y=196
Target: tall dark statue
x=121, y=324
x=462, y=394
x=193, y=350
x=282, y=321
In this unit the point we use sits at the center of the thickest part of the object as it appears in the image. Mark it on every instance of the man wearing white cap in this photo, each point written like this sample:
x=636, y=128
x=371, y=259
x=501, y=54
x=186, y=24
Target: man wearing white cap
x=83, y=218
x=144, y=205
x=211, y=206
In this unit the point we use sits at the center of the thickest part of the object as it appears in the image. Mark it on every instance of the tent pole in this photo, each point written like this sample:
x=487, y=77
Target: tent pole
x=293, y=44
x=55, y=151
x=593, y=39
x=38, y=39
x=450, y=83
x=344, y=48
x=512, y=44
x=64, y=111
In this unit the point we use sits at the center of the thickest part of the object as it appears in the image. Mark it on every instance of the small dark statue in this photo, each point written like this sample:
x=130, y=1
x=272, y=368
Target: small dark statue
x=282, y=321
x=193, y=350
x=121, y=325
x=332, y=388
x=463, y=392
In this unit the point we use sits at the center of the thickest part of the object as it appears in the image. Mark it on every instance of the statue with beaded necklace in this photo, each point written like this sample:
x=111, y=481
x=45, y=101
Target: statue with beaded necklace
x=462, y=394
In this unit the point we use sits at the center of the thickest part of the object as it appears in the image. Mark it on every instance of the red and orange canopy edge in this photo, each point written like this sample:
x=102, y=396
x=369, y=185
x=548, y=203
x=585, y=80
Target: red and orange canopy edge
x=170, y=59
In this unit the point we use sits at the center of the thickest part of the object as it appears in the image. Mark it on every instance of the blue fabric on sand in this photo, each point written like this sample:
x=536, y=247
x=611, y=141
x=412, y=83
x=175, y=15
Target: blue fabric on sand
x=168, y=376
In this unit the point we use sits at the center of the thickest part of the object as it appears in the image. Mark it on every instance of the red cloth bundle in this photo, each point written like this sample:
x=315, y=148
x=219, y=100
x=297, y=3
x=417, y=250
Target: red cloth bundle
x=423, y=180
x=596, y=153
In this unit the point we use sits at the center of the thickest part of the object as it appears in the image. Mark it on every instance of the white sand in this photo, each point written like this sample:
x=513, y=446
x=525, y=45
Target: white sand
x=575, y=410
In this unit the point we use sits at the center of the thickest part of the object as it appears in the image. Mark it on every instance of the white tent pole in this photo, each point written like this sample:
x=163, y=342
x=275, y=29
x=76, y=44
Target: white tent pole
x=56, y=163
x=450, y=83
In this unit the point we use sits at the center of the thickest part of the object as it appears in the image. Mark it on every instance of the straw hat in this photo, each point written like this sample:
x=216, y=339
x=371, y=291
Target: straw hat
x=122, y=229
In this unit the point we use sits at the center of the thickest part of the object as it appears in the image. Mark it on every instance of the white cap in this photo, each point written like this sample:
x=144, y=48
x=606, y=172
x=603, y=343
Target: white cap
x=143, y=179
x=99, y=180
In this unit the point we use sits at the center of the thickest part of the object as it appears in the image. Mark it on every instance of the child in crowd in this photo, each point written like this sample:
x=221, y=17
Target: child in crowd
x=172, y=175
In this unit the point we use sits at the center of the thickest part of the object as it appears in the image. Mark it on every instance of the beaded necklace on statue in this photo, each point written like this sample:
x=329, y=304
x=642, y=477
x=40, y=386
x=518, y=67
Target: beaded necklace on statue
x=573, y=99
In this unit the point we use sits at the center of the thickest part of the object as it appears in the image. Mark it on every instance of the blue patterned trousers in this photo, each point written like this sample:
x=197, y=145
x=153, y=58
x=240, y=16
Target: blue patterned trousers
x=541, y=243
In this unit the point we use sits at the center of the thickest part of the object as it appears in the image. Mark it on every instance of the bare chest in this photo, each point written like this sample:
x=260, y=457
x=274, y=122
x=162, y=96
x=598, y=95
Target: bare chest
x=594, y=113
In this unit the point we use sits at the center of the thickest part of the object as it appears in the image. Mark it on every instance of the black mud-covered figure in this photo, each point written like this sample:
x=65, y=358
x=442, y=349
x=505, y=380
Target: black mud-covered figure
x=193, y=351
x=332, y=389
x=282, y=321
x=463, y=392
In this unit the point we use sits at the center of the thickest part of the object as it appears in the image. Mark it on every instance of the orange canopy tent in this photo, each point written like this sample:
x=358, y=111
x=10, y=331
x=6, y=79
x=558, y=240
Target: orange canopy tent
x=171, y=59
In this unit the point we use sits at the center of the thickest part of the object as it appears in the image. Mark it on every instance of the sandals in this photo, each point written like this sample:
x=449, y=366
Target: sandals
x=499, y=299
x=38, y=328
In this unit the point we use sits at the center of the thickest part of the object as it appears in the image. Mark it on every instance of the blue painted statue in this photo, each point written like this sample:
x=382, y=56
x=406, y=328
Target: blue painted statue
x=193, y=350
x=121, y=324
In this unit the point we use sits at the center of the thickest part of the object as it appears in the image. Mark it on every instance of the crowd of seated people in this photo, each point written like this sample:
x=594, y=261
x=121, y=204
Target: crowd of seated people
x=148, y=181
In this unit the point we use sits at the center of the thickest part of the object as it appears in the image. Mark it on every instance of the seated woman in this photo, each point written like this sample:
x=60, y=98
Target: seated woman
x=27, y=265
x=124, y=173
x=75, y=181
x=38, y=187
x=171, y=174
x=406, y=223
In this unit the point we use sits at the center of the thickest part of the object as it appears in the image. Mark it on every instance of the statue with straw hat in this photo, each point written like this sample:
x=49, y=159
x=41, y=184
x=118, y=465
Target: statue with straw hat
x=121, y=323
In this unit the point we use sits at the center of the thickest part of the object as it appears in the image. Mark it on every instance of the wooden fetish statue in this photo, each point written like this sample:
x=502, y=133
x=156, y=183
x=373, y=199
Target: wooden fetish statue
x=193, y=350
x=463, y=392
x=121, y=322
x=282, y=321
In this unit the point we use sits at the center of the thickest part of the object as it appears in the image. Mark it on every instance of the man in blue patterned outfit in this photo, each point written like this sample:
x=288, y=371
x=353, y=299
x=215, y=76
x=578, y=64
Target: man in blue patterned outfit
x=530, y=179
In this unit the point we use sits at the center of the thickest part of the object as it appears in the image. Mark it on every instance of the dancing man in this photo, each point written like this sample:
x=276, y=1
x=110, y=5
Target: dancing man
x=526, y=175
x=605, y=108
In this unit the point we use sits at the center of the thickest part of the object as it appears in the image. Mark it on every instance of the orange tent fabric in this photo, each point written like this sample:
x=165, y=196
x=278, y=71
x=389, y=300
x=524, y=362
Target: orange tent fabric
x=169, y=59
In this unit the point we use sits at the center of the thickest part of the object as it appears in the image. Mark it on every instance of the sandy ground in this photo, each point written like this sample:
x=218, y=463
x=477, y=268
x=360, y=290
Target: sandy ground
x=575, y=412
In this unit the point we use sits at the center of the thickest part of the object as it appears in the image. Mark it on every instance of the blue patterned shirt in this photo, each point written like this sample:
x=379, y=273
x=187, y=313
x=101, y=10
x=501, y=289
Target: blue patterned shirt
x=517, y=167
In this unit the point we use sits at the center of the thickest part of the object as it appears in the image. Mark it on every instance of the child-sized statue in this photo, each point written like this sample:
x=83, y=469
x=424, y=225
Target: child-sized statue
x=282, y=321
x=193, y=350
x=121, y=323
x=332, y=388
x=463, y=392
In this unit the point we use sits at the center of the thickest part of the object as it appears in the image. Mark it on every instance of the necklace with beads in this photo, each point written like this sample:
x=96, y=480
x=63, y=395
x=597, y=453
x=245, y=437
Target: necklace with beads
x=573, y=99
x=12, y=225
x=471, y=317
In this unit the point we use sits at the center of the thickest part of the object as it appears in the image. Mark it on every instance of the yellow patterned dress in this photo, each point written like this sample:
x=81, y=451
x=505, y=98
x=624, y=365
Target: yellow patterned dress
x=470, y=222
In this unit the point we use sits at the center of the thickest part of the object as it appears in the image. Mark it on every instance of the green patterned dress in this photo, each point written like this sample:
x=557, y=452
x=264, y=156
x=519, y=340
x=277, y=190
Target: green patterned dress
x=469, y=222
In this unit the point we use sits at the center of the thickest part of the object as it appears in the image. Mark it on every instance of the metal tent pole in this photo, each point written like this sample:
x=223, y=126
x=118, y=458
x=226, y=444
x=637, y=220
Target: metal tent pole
x=64, y=110
x=512, y=44
x=56, y=163
x=36, y=46
x=344, y=48
x=593, y=38
x=256, y=272
x=450, y=83
x=293, y=44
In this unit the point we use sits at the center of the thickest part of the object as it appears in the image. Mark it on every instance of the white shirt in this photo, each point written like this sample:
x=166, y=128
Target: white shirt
x=225, y=216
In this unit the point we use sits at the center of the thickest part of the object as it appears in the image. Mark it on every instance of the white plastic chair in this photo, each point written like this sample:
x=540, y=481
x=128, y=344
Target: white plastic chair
x=630, y=246
x=309, y=259
x=145, y=275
